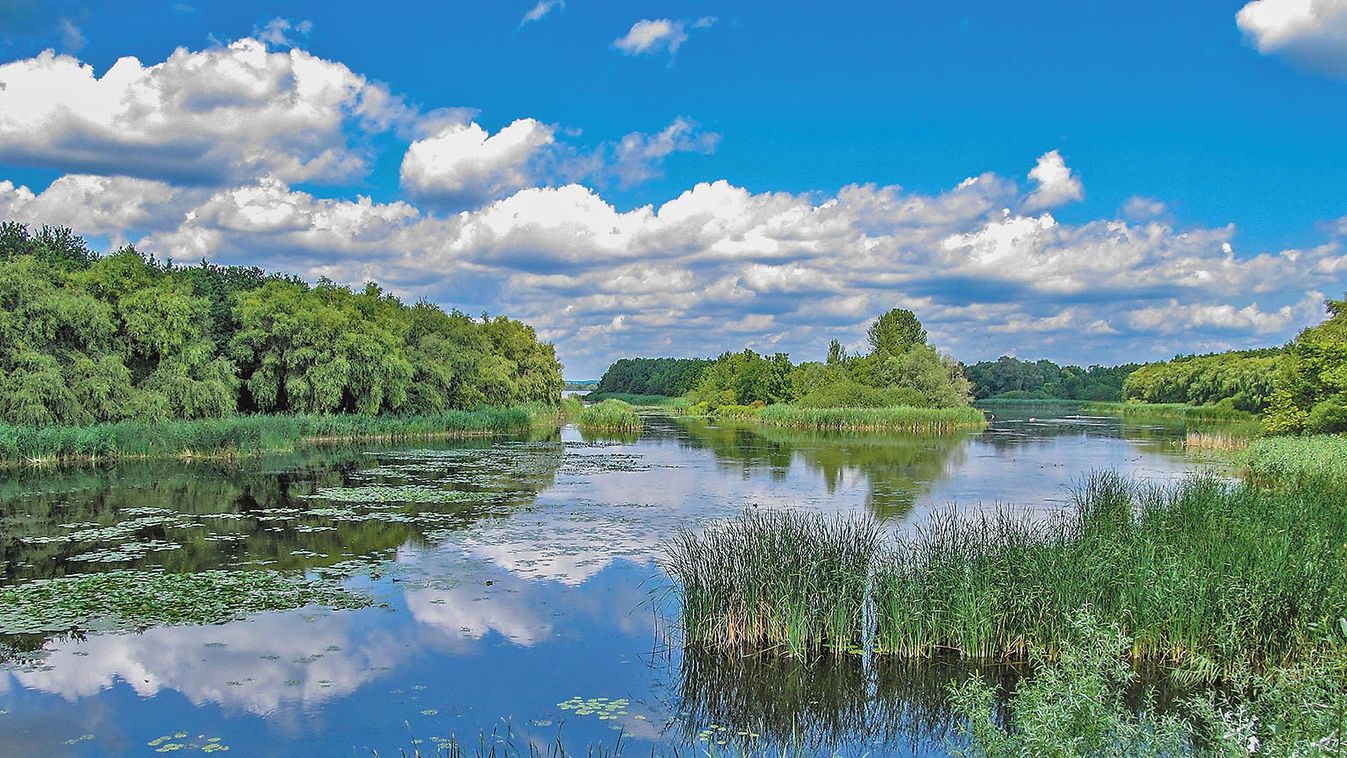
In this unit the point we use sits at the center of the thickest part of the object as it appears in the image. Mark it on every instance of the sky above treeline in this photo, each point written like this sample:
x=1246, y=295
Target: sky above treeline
x=1085, y=182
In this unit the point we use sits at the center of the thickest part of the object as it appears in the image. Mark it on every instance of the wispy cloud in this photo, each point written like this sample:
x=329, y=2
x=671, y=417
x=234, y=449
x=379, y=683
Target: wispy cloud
x=543, y=7
x=661, y=35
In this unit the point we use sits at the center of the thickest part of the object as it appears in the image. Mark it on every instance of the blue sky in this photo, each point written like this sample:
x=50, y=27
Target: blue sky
x=1188, y=191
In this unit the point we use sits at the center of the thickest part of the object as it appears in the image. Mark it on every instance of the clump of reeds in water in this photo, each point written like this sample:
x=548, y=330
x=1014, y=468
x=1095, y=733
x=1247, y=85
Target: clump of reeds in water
x=1220, y=442
x=791, y=581
x=1208, y=575
x=892, y=418
x=610, y=416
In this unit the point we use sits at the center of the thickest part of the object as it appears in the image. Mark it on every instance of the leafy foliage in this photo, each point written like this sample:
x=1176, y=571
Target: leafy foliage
x=1012, y=378
x=652, y=376
x=88, y=339
x=1311, y=394
x=1242, y=380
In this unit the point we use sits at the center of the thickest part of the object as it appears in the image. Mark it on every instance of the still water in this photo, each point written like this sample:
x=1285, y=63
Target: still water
x=517, y=594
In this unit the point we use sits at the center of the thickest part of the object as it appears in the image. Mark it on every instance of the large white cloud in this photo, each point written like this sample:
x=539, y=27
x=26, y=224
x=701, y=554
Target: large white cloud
x=464, y=165
x=1057, y=183
x=720, y=266
x=222, y=114
x=1311, y=33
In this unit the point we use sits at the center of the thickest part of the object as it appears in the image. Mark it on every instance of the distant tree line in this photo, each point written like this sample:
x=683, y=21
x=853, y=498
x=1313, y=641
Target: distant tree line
x=900, y=369
x=1242, y=379
x=652, y=376
x=88, y=338
x=1009, y=377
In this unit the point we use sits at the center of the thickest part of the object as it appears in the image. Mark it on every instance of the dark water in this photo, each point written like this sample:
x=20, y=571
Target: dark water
x=499, y=611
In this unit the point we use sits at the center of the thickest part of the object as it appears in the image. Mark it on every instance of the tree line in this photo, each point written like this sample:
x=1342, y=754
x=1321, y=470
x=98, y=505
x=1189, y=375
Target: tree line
x=900, y=369
x=90, y=338
x=1241, y=379
x=1012, y=378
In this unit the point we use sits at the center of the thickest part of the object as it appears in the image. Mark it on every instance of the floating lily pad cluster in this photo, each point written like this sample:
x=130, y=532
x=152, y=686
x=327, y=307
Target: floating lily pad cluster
x=401, y=493
x=138, y=599
x=725, y=735
x=602, y=707
x=172, y=743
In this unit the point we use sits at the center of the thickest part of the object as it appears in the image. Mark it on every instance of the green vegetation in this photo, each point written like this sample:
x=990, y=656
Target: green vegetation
x=139, y=599
x=646, y=400
x=1074, y=705
x=1011, y=378
x=610, y=416
x=239, y=436
x=668, y=377
x=1178, y=411
x=1319, y=460
x=1311, y=394
x=900, y=419
x=1239, y=380
x=900, y=376
x=1208, y=576
x=88, y=339
x=788, y=581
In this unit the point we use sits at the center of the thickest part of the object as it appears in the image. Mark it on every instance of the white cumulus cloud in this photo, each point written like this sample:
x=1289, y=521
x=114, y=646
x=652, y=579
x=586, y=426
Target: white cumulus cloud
x=1057, y=183
x=462, y=165
x=226, y=113
x=1310, y=33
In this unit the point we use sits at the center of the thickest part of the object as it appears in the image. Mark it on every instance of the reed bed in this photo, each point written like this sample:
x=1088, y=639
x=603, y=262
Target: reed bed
x=1319, y=459
x=610, y=416
x=1169, y=411
x=892, y=418
x=1208, y=575
x=1220, y=442
x=645, y=400
x=791, y=581
x=242, y=436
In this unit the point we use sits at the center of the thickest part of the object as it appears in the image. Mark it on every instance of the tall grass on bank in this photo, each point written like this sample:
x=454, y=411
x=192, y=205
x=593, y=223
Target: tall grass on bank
x=610, y=416
x=796, y=582
x=1169, y=411
x=894, y=418
x=1320, y=459
x=241, y=436
x=1207, y=575
x=656, y=400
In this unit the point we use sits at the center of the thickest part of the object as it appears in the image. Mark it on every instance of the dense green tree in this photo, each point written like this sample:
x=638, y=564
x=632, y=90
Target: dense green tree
x=1044, y=379
x=671, y=377
x=1311, y=392
x=86, y=338
x=896, y=331
x=1243, y=380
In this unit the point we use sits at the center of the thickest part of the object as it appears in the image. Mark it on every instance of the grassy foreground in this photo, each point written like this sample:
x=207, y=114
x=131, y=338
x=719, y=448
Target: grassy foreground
x=241, y=436
x=894, y=418
x=1208, y=576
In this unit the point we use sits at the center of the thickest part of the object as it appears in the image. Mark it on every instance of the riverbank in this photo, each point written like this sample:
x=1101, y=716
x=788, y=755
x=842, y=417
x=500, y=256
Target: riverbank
x=243, y=436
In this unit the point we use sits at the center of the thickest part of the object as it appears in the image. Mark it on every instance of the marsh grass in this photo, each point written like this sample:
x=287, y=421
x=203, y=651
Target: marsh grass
x=790, y=581
x=640, y=400
x=1219, y=442
x=901, y=419
x=1319, y=459
x=1207, y=576
x=610, y=416
x=1169, y=411
x=243, y=436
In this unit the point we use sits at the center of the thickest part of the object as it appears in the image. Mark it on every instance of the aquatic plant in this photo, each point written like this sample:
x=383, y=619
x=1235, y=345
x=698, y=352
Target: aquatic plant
x=140, y=599
x=1209, y=576
x=1320, y=458
x=780, y=579
x=896, y=418
x=611, y=416
x=240, y=436
x=1183, y=411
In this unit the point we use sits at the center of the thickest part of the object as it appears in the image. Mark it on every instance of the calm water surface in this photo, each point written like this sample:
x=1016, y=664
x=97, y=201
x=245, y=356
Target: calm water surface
x=496, y=608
